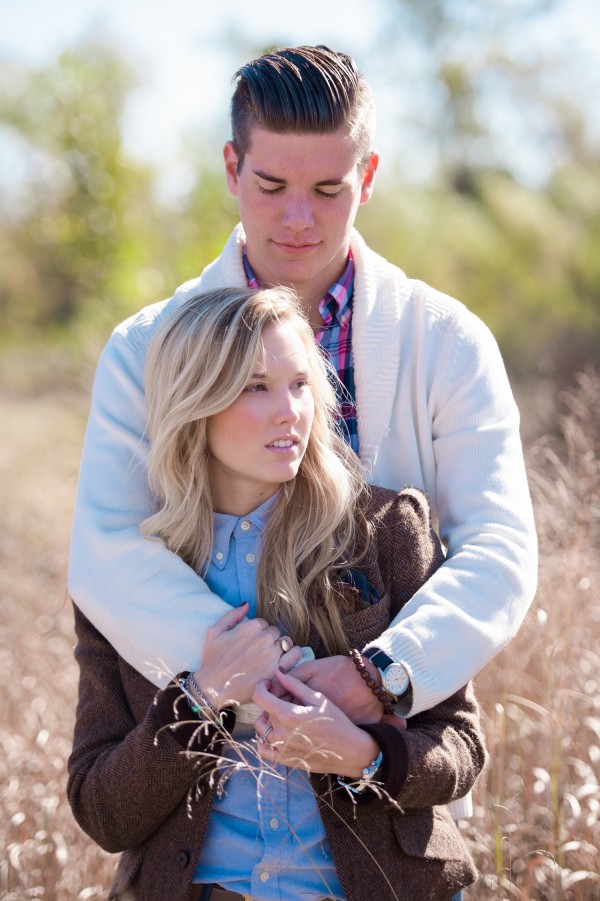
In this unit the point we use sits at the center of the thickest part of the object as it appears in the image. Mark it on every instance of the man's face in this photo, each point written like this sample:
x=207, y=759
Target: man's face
x=298, y=196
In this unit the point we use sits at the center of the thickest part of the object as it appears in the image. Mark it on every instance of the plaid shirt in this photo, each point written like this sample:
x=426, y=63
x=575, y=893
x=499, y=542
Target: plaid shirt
x=335, y=337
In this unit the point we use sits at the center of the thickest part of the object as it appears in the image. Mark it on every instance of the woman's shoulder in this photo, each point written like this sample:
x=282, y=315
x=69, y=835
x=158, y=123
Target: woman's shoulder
x=403, y=542
x=384, y=505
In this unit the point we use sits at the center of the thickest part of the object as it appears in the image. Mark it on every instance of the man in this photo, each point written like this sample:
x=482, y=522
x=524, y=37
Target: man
x=427, y=404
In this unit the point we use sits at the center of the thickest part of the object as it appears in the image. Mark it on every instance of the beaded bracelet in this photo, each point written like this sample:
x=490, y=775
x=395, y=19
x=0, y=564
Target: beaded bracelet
x=380, y=693
x=367, y=776
x=194, y=707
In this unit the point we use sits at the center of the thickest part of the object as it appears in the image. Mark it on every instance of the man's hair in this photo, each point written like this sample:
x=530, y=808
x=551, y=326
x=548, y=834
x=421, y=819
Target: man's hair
x=197, y=365
x=306, y=90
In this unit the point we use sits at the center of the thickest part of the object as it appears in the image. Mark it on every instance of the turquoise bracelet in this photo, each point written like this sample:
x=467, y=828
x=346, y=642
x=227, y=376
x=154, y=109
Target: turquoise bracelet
x=367, y=777
x=200, y=710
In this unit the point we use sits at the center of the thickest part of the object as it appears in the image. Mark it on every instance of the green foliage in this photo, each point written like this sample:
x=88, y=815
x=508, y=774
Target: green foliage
x=83, y=242
x=526, y=260
x=74, y=232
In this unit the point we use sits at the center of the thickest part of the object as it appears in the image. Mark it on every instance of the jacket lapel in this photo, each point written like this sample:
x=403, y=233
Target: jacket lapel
x=379, y=292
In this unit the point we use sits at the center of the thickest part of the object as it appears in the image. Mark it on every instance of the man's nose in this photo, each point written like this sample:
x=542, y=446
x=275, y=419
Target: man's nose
x=298, y=213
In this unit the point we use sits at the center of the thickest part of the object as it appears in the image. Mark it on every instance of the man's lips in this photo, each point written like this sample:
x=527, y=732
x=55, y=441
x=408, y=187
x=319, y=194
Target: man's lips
x=306, y=247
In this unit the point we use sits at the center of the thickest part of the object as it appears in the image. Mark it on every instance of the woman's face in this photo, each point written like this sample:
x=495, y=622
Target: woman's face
x=258, y=442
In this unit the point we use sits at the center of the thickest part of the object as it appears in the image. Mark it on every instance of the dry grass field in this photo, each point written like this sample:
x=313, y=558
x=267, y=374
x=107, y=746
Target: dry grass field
x=536, y=830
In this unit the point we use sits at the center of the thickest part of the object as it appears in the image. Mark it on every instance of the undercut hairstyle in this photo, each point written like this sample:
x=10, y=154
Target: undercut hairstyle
x=198, y=365
x=303, y=90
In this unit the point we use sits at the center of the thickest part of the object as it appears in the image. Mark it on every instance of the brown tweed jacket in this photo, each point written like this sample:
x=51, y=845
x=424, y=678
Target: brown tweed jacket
x=140, y=770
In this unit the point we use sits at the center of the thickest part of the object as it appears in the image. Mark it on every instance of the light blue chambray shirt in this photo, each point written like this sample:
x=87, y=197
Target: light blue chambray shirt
x=265, y=837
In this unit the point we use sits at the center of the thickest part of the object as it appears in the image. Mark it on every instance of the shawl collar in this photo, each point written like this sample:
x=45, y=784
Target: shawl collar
x=380, y=290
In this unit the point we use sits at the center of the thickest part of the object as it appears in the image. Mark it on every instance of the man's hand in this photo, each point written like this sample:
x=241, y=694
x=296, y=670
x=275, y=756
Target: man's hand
x=338, y=679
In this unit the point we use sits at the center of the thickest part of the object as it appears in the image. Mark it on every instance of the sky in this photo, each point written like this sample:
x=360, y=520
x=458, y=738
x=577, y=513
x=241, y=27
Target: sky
x=187, y=50
x=177, y=46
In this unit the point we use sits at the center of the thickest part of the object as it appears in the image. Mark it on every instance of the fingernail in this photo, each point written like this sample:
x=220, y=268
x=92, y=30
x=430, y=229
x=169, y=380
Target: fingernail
x=242, y=603
x=284, y=671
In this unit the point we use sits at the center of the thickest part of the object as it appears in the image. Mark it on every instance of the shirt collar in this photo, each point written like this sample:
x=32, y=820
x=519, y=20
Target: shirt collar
x=337, y=302
x=225, y=525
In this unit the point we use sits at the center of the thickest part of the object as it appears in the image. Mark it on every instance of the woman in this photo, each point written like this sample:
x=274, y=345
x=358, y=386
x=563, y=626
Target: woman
x=258, y=492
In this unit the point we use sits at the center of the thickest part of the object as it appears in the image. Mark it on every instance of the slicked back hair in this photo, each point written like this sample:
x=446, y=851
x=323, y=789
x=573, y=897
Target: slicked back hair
x=306, y=90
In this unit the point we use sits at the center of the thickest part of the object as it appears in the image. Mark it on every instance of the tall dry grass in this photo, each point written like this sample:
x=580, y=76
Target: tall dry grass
x=536, y=828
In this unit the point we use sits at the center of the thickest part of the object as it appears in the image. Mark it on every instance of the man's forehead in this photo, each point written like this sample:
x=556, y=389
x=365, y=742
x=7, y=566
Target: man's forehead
x=323, y=151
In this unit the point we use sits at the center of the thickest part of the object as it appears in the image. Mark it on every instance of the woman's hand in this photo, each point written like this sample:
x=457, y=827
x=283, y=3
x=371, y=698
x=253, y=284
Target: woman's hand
x=310, y=732
x=238, y=653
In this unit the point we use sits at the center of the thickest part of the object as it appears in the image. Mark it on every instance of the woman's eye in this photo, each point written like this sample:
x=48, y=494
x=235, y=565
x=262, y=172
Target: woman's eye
x=254, y=389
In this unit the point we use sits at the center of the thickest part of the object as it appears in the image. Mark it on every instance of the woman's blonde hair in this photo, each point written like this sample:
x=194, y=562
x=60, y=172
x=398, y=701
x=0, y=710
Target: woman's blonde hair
x=198, y=365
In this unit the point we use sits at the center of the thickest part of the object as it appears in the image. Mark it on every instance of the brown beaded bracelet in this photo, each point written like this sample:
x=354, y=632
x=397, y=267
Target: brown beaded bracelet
x=380, y=693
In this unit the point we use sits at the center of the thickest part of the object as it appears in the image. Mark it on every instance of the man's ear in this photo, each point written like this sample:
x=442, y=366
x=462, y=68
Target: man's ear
x=231, y=167
x=368, y=177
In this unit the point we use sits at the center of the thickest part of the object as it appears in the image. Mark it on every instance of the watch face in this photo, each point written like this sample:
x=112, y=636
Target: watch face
x=395, y=679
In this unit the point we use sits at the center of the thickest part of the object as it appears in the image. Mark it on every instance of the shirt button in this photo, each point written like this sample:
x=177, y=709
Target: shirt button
x=246, y=525
x=219, y=555
x=264, y=876
x=183, y=858
x=250, y=558
x=274, y=823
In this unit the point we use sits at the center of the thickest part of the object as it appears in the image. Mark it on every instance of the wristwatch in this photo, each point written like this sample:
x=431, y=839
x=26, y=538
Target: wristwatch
x=394, y=676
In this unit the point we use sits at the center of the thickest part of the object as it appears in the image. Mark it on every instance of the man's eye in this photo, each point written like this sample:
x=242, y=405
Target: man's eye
x=329, y=194
x=264, y=190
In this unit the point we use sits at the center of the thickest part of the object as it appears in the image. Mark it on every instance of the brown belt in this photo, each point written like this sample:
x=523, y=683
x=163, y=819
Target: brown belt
x=216, y=893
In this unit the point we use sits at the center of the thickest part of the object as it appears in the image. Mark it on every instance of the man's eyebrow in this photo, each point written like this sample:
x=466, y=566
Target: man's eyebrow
x=281, y=181
x=266, y=177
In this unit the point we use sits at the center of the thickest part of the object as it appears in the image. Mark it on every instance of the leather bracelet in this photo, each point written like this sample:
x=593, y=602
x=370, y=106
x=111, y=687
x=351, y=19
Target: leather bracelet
x=380, y=693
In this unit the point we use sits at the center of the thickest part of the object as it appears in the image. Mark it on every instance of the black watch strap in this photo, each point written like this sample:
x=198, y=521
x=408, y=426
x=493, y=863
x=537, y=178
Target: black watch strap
x=378, y=657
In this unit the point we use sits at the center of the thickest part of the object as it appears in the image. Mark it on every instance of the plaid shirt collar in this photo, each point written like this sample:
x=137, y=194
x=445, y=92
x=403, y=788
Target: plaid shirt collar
x=336, y=305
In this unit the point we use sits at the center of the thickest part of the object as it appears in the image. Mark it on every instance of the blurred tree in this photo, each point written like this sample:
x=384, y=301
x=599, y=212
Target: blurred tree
x=75, y=224
x=83, y=242
x=492, y=85
x=507, y=218
x=202, y=220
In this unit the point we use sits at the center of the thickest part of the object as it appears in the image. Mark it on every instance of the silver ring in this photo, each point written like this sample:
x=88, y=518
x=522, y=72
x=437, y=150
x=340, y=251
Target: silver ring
x=286, y=644
x=261, y=739
x=266, y=732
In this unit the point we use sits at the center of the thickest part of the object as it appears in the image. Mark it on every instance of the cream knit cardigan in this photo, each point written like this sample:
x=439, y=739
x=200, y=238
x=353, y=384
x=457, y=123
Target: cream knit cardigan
x=435, y=411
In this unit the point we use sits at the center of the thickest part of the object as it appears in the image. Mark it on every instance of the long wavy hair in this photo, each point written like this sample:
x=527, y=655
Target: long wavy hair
x=197, y=365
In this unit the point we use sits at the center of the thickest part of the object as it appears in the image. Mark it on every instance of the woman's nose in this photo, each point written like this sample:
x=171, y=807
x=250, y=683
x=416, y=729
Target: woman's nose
x=287, y=409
